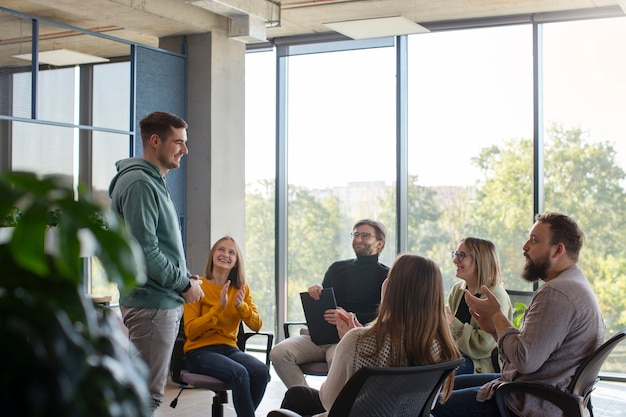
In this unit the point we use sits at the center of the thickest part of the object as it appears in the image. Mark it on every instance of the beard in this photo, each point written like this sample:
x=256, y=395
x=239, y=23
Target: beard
x=535, y=270
x=365, y=250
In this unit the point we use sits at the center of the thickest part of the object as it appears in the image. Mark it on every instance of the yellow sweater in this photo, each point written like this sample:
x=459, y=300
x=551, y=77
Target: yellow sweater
x=207, y=323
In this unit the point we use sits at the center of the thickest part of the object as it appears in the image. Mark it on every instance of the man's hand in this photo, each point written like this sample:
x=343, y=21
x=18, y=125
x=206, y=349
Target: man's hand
x=315, y=291
x=330, y=316
x=487, y=312
x=194, y=293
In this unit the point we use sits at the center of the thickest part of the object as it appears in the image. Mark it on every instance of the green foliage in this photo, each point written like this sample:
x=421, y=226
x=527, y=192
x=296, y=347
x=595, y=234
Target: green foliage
x=11, y=217
x=314, y=242
x=582, y=179
x=259, y=250
x=64, y=358
x=518, y=314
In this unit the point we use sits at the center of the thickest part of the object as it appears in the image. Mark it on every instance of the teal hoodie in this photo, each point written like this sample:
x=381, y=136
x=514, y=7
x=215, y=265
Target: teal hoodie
x=140, y=196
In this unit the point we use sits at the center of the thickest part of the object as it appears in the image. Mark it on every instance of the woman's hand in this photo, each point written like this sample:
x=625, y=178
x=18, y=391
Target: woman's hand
x=345, y=321
x=224, y=294
x=240, y=296
x=449, y=315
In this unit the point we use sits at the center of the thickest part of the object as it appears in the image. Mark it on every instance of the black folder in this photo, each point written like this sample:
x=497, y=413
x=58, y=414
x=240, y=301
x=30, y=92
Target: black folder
x=321, y=332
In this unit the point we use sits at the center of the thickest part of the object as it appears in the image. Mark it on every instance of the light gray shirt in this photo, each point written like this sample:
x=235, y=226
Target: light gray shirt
x=562, y=327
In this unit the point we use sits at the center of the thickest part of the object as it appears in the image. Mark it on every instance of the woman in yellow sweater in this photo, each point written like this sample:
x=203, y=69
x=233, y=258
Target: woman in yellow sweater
x=212, y=324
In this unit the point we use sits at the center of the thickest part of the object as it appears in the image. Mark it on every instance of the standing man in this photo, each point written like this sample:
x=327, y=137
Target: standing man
x=562, y=326
x=356, y=283
x=139, y=194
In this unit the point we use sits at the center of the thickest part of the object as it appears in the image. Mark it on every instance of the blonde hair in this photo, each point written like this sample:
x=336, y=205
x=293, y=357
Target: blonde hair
x=237, y=276
x=412, y=315
x=487, y=261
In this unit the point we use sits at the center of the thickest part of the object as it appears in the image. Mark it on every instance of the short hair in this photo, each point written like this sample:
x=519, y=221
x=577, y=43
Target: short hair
x=564, y=230
x=486, y=258
x=160, y=123
x=379, y=228
x=237, y=275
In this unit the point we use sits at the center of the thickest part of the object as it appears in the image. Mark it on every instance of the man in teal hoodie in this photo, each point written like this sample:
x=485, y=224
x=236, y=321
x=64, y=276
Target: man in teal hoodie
x=139, y=194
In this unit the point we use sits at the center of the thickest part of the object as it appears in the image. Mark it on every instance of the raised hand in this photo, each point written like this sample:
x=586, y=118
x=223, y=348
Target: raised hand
x=240, y=296
x=345, y=321
x=224, y=294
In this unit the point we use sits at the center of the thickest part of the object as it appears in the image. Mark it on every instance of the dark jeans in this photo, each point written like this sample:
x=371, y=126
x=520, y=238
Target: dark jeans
x=463, y=401
x=466, y=368
x=247, y=376
x=303, y=400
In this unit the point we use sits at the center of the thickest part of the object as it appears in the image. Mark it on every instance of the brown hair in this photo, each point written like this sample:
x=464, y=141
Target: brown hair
x=161, y=124
x=412, y=315
x=564, y=230
x=237, y=276
x=486, y=258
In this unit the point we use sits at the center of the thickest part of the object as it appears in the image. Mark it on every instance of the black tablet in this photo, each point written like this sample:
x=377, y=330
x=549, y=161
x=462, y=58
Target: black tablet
x=322, y=332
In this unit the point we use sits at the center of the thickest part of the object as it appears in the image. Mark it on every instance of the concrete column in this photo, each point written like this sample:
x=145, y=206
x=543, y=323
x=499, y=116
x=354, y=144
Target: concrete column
x=215, y=195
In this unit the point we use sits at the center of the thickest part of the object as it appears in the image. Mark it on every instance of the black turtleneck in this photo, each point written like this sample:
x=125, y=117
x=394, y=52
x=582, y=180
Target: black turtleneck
x=357, y=283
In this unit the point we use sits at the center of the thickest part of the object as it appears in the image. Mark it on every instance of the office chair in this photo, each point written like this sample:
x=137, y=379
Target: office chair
x=187, y=379
x=310, y=368
x=577, y=397
x=388, y=392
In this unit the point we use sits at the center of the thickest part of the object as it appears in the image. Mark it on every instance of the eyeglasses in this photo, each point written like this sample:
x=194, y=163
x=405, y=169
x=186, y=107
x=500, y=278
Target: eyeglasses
x=363, y=236
x=460, y=255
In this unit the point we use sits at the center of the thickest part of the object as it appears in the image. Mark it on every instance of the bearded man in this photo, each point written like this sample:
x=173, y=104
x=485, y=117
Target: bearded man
x=562, y=327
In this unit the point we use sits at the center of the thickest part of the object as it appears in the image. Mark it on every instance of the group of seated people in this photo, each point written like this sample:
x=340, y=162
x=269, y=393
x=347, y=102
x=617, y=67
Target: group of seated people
x=398, y=317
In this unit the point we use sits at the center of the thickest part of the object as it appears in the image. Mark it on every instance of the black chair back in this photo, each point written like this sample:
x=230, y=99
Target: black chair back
x=577, y=397
x=587, y=374
x=392, y=392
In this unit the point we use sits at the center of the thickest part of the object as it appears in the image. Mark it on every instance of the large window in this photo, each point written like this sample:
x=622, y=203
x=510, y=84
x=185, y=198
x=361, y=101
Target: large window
x=341, y=158
x=502, y=121
x=584, y=98
x=470, y=135
x=65, y=119
x=260, y=184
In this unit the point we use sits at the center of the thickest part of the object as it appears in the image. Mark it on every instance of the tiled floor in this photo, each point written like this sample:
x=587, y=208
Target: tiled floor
x=609, y=400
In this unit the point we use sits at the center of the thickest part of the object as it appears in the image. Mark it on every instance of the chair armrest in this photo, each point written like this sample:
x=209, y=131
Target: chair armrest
x=288, y=324
x=269, y=341
x=283, y=412
x=572, y=405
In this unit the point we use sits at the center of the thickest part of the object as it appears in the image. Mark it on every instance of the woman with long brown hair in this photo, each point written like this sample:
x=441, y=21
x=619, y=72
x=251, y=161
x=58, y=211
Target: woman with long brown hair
x=411, y=330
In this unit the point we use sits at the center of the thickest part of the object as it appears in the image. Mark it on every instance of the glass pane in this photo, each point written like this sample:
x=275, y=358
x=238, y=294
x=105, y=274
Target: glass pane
x=45, y=149
x=470, y=144
x=15, y=73
x=585, y=151
x=108, y=148
x=341, y=144
x=56, y=95
x=260, y=183
x=111, y=95
x=100, y=285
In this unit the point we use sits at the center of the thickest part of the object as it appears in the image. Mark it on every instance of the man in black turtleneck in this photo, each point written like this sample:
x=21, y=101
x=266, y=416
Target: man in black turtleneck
x=356, y=284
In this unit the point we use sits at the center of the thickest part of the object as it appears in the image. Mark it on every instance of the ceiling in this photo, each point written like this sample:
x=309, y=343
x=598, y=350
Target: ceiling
x=145, y=21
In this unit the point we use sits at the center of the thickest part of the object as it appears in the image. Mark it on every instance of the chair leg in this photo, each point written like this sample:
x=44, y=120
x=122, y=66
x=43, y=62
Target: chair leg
x=217, y=408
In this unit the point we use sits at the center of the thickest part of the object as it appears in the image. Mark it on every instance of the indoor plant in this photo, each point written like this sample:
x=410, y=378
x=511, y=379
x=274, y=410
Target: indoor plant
x=62, y=356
